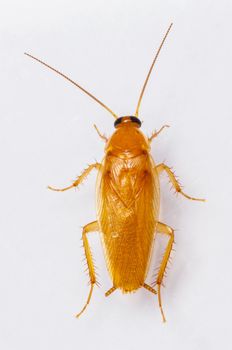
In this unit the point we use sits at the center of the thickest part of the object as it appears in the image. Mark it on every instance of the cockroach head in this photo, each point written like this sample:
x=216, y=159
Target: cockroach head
x=131, y=119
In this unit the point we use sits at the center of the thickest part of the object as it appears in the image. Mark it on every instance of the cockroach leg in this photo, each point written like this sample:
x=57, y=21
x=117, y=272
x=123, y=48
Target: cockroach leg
x=102, y=136
x=164, y=229
x=91, y=227
x=156, y=133
x=80, y=178
x=110, y=291
x=152, y=290
x=162, y=167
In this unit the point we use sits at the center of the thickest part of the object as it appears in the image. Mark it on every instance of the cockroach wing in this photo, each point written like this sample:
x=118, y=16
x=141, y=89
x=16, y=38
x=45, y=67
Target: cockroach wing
x=127, y=208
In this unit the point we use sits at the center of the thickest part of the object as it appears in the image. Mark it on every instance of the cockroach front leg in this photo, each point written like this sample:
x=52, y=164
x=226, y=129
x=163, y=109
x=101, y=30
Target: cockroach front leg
x=102, y=136
x=156, y=133
x=165, y=229
x=80, y=178
x=163, y=167
x=92, y=227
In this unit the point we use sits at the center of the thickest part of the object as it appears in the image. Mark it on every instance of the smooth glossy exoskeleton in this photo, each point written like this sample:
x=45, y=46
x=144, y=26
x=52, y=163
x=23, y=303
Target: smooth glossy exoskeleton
x=128, y=202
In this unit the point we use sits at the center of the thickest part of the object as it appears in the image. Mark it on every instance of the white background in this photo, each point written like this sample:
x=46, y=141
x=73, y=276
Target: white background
x=47, y=137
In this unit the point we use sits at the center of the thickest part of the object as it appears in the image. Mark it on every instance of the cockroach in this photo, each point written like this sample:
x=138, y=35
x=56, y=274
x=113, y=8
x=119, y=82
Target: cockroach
x=128, y=202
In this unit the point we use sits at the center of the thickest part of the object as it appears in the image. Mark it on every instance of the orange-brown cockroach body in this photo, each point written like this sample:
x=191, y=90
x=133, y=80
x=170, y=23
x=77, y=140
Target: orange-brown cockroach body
x=128, y=202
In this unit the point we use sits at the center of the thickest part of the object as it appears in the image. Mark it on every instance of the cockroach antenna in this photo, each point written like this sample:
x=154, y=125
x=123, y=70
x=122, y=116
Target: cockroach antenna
x=73, y=82
x=150, y=70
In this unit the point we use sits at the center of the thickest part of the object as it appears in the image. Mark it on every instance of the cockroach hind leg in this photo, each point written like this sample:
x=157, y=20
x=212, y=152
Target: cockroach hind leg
x=91, y=227
x=110, y=291
x=167, y=230
x=87, y=302
x=160, y=303
x=149, y=288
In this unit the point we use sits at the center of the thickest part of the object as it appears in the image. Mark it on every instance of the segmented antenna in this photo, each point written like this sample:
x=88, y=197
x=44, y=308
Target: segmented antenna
x=150, y=70
x=74, y=83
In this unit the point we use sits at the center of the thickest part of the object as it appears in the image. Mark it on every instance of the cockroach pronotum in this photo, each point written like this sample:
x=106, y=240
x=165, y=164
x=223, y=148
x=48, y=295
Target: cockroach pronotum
x=128, y=202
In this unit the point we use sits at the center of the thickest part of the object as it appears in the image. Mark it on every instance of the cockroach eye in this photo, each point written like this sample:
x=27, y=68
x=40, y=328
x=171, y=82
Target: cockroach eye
x=127, y=120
